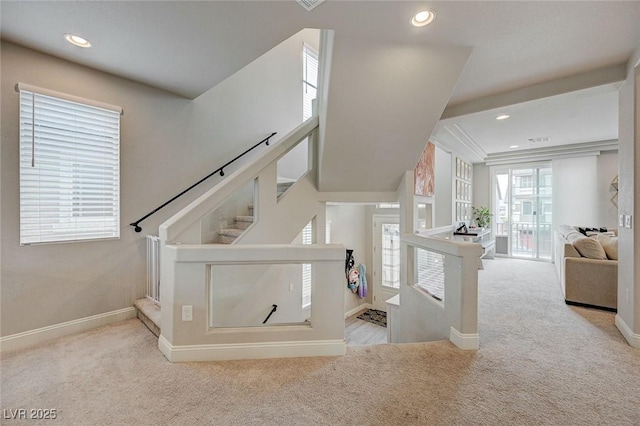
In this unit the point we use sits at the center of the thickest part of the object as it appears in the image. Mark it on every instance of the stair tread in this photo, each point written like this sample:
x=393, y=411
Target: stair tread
x=231, y=232
x=243, y=218
x=150, y=312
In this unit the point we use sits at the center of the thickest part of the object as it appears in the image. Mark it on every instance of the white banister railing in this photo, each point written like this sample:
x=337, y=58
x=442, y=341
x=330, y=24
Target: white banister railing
x=173, y=229
x=439, y=295
x=204, y=278
x=153, y=268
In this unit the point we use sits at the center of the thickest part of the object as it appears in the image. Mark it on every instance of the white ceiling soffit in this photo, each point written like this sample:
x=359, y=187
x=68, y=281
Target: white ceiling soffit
x=577, y=117
x=551, y=153
x=378, y=121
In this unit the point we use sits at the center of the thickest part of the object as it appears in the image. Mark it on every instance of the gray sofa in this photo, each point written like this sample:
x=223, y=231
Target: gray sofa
x=588, y=274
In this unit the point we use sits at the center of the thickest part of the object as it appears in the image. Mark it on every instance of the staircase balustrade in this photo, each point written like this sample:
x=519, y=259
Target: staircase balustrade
x=219, y=170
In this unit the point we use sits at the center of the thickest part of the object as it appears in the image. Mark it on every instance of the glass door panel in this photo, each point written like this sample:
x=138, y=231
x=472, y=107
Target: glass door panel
x=530, y=212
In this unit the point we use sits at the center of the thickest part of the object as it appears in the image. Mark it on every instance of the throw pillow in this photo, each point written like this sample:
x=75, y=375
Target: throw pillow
x=590, y=248
x=609, y=233
x=609, y=244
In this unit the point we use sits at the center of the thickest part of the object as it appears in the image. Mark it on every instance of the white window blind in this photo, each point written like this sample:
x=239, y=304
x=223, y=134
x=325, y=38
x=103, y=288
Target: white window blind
x=307, y=238
x=430, y=271
x=69, y=168
x=309, y=80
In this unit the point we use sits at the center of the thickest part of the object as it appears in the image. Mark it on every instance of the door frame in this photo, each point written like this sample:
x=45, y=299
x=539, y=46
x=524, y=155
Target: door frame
x=377, y=298
x=508, y=169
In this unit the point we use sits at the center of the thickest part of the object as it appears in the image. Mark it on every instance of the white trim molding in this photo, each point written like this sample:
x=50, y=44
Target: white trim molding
x=33, y=337
x=632, y=338
x=225, y=352
x=357, y=309
x=464, y=341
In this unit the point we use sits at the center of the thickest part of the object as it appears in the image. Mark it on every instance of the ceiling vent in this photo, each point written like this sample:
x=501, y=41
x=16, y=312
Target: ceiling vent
x=544, y=139
x=310, y=4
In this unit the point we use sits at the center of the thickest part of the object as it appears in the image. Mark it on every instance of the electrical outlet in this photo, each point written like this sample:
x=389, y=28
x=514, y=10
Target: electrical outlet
x=627, y=221
x=187, y=313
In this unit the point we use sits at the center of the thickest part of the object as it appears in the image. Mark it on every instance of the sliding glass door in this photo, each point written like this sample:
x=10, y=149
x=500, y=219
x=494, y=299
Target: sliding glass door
x=522, y=209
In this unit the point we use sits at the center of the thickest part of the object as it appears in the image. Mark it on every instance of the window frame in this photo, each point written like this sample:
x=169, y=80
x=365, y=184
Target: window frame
x=69, y=168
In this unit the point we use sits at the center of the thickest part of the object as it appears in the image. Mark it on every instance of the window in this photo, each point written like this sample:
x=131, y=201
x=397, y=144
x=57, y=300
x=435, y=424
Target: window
x=307, y=238
x=309, y=80
x=69, y=168
x=526, y=182
x=527, y=207
x=430, y=271
x=391, y=255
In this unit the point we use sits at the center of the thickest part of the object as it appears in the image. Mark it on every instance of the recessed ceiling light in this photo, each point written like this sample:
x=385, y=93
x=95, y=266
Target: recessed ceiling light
x=423, y=18
x=503, y=117
x=76, y=40
x=514, y=146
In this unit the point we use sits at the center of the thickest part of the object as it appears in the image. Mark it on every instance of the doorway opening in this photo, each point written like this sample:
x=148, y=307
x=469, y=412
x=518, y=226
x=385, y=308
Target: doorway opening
x=522, y=208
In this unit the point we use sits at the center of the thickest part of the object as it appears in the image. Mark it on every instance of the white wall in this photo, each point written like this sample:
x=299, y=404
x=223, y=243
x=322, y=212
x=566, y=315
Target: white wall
x=444, y=194
x=481, y=184
x=167, y=143
x=607, y=169
x=575, y=191
x=629, y=202
x=384, y=101
x=349, y=226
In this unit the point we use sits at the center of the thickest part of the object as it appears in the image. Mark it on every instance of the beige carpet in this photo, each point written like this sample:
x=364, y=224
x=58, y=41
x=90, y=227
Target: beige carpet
x=540, y=362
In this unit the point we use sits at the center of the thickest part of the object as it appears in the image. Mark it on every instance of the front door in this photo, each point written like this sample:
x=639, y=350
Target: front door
x=386, y=255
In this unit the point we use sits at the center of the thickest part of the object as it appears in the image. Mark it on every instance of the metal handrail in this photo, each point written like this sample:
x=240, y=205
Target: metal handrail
x=220, y=170
x=273, y=309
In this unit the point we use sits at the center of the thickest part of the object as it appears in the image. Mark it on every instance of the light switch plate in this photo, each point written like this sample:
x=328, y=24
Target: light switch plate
x=627, y=221
x=621, y=221
x=187, y=312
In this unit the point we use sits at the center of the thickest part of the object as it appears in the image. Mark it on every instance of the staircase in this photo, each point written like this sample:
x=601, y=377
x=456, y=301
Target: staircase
x=149, y=310
x=149, y=314
x=241, y=223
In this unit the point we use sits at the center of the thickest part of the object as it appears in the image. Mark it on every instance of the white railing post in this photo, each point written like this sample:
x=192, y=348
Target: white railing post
x=153, y=268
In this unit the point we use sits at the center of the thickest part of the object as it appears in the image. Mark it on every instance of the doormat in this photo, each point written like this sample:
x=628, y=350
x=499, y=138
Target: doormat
x=374, y=316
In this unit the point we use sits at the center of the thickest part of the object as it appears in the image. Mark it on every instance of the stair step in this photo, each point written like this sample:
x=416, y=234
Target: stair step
x=229, y=235
x=283, y=186
x=149, y=314
x=243, y=222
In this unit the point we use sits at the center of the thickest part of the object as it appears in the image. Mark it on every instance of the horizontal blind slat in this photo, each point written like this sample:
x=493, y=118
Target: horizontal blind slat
x=71, y=193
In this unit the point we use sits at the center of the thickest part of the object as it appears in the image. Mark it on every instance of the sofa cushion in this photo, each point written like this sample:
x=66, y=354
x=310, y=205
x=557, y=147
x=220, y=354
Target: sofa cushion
x=589, y=248
x=572, y=237
x=609, y=244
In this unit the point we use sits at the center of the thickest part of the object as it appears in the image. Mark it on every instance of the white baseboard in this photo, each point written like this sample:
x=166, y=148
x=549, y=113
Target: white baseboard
x=39, y=335
x=357, y=309
x=464, y=341
x=224, y=352
x=632, y=338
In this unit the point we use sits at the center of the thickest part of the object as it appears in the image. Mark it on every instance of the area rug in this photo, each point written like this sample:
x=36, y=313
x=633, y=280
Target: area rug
x=374, y=316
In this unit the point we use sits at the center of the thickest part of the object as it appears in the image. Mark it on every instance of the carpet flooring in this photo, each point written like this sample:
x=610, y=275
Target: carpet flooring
x=540, y=362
